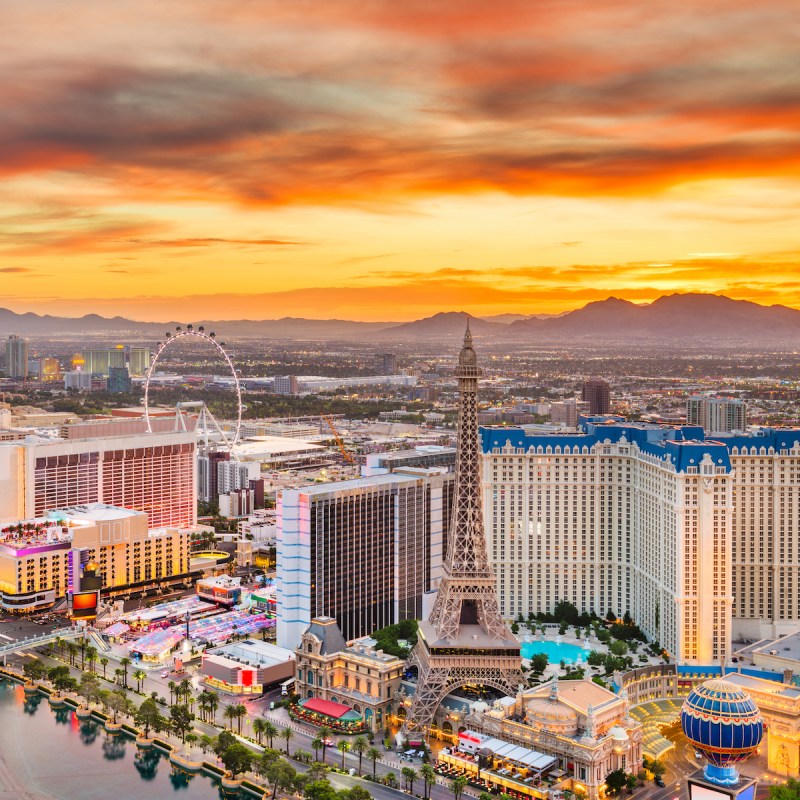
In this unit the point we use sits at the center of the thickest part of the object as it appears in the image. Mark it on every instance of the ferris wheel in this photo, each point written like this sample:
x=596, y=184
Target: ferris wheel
x=210, y=338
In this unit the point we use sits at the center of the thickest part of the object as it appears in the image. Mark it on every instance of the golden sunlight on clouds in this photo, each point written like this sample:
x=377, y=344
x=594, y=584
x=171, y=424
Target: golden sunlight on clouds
x=388, y=162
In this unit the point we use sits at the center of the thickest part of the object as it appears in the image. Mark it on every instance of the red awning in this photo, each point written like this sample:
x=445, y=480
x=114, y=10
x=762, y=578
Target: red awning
x=326, y=707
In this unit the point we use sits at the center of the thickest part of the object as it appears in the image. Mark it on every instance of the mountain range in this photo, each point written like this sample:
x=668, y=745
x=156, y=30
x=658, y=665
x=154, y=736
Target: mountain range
x=672, y=317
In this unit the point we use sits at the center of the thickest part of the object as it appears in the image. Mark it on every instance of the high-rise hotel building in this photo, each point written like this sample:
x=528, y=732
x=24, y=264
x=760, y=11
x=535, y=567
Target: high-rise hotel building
x=155, y=473
x=364, y=551
x=696, y=538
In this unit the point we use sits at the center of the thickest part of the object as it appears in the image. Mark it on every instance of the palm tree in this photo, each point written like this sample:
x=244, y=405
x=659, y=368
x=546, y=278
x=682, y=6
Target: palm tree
x=91, y=657
x=118, y=676
x=212, y=700
x=428, y=775
x=185, y=689
x=72, y=651
x=359, y=746
x=374, y=755
x=316, y=743
x=287, y=733
x=409, y=776
x=325, y=735
x=258, y=728
x=104, y=664
x=342, y=746
x=172, y=686
x=270, y=731
x=230, y=713
x=60, y=645
x=125, y=663
x=457, y=786
x=82, y=646
x=390, y=779
x=241, y=713
x=139, y=675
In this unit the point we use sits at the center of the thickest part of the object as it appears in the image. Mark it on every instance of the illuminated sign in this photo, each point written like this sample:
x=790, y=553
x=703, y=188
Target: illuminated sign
x=84, y=604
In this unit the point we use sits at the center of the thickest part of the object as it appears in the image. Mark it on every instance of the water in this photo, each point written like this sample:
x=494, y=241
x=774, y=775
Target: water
x=556, y=652
x=49, y=753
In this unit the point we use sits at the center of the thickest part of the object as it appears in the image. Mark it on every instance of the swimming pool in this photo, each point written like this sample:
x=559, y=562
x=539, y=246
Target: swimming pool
x=556, y=652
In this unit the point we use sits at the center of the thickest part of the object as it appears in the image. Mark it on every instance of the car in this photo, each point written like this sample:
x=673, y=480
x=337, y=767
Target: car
x=165, y=673
x=698, y=755
x=328, y=742
x=659, y=781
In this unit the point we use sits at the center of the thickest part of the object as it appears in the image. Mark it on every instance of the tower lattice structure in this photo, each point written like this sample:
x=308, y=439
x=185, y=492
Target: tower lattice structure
x=464, y=640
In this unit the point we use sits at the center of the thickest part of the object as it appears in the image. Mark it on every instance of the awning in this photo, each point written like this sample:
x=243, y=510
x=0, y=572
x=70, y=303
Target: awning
x=329, y=709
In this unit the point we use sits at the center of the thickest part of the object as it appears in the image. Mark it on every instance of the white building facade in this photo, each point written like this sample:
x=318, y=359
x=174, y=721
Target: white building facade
x=697, y=539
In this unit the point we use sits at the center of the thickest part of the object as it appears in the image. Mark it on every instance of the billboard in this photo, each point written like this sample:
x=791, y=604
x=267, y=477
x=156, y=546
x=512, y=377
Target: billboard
x=83, y=605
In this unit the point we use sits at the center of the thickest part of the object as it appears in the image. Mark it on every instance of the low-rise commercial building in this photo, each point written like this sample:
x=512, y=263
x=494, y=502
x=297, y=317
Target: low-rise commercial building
x=355, y=675
x=247, y=668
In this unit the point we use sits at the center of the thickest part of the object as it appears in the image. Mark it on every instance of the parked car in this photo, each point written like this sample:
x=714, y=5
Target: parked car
x=659, y=781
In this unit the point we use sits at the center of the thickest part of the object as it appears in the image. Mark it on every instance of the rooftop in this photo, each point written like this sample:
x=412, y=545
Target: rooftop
x=254, y=652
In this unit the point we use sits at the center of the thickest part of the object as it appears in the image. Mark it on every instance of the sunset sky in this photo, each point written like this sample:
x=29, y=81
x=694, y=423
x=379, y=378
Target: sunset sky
x=362, y=159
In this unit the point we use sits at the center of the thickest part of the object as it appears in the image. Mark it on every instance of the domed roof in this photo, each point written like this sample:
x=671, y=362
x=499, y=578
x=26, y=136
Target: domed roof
x=722, y=721
x=480, y=706
x=542, y=709
x=618, y=734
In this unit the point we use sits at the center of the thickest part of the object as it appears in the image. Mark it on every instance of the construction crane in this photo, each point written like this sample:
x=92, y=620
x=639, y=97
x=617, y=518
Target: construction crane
x=342, y=449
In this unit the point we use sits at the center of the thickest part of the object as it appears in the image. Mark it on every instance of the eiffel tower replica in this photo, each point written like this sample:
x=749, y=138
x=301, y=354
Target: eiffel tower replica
x=465, y=640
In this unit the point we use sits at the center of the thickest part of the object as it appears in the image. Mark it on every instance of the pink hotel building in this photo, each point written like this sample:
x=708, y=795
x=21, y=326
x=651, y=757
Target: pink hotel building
x=155, y=473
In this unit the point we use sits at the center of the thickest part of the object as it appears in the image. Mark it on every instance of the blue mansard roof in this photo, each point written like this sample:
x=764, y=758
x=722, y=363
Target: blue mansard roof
x=684, y=446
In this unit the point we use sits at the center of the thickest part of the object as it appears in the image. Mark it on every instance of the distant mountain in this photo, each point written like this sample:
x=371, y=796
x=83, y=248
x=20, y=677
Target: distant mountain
x=446, y=323
x=675, y=316
x=92, y=324
x=504, y=319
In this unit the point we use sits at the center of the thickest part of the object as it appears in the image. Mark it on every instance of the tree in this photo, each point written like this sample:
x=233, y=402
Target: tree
x=320, y=790
x=618, y=648
x=125, y=663
x=656, y=767
x=316, y=745
x=172, y=686
x=631, y=781
x=373, y=754
x=270, y=731
x=325, y=735
x=281, y=775
x=206, y=743
x=287, y=733
x=72, y=651
x=241, y=713
x=61, y=679
x=390, y=779
x=615, y=781
x=224, y=741
x=258, y=728
x=359, y=746
x=148, y=716
x=514, y=628
x=343, y=746
x=181, y=720
x=91, y=656
x=104, y=664
x=139, y=675
x=34, y=670
x=409, y=776
x=457, y=786
x=230, y=713
x=89, y=687
x=428, y=775
x=236, y=757
x=787, y=791
x=539, y=663
x=116, y=702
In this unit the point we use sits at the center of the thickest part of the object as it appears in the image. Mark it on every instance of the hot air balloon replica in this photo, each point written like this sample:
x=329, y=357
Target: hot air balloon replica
x=724, y=724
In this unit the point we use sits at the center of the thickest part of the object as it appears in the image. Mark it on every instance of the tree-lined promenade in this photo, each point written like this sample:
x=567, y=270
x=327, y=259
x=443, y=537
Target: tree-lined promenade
x=188, y=723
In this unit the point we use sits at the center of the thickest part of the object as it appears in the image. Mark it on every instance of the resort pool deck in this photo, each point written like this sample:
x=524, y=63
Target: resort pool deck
x=556, y=652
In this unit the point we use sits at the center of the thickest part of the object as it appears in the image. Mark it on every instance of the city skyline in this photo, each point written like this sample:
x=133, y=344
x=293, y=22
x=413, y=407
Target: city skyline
x=370, y=162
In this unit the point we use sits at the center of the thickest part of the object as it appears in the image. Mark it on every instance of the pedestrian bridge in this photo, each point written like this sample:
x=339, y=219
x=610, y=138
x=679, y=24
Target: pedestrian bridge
x=46, y=638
